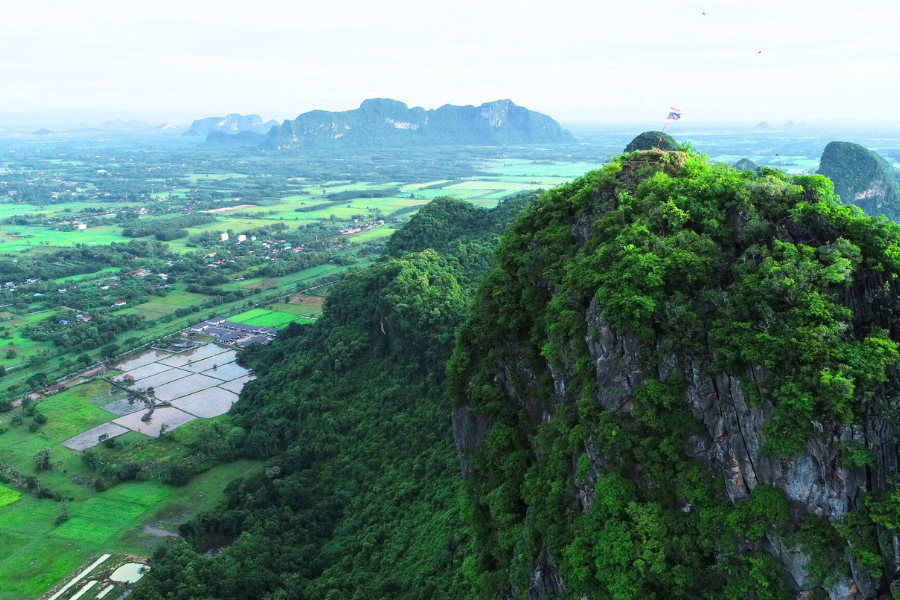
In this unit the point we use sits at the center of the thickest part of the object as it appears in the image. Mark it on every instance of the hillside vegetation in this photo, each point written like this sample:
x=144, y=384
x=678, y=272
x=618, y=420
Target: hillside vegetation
x=360, y=494
x=679, y=381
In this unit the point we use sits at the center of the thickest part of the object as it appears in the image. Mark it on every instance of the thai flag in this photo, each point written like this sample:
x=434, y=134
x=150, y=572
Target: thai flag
x=674, y=115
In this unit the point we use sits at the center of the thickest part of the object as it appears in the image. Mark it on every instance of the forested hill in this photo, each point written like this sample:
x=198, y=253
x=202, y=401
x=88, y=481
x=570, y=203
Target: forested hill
x=382, y=121
x=680, y=381
x=360, y=494
x=862, y=177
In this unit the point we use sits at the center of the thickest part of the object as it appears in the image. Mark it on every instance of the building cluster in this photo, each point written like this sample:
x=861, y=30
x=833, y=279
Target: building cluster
x=237, y=334
x=356, y=226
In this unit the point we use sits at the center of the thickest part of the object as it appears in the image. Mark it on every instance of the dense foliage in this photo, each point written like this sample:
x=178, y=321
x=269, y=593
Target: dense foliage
x=697, y=261
x=360, y=494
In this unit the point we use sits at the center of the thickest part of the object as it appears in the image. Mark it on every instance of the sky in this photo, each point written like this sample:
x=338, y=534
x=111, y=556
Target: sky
x=628, y=60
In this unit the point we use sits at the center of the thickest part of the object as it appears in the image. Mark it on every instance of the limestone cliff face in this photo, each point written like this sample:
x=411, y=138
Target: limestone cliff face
x=731, y=409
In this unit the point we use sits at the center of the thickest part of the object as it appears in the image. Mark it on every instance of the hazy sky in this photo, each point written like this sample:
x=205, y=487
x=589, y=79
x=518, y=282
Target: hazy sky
x=597, y=60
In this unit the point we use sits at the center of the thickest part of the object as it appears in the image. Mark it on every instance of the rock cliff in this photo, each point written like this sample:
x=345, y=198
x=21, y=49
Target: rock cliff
x=681, y=381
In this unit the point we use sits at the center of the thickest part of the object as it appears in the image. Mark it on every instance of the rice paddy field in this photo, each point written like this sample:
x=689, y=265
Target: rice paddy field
x=36, y=550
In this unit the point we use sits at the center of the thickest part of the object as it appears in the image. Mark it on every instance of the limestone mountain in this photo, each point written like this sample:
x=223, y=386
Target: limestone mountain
x=862, y=177
x=680, y=381
x=745, y=164
x=381, y=121
x=233, y=123
x=650, y=140
x=762, y=126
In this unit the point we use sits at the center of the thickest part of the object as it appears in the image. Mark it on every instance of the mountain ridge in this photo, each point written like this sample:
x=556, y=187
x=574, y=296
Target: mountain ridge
x=383, y=121
x=230, y=124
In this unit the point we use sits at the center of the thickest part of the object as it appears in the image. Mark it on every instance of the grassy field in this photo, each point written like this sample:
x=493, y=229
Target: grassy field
x=278, y=314
x=35, y=550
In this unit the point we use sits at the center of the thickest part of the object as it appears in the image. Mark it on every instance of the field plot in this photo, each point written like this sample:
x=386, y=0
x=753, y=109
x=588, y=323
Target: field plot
x=300, y=309
x=8, y=496
x=169, y=416
x=208, y=403
x=91, y=437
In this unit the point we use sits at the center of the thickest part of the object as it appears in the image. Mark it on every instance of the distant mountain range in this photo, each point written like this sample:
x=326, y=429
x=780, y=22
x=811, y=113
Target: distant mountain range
x=233, y=123
x=381, y=121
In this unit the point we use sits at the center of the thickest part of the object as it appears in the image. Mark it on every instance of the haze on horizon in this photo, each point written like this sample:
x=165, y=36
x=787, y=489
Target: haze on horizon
x=576, y=61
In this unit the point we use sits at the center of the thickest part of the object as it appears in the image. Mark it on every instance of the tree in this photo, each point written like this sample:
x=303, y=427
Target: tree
x=39, y=379
x=63, y=513
x=42, y=460
x=11, y=353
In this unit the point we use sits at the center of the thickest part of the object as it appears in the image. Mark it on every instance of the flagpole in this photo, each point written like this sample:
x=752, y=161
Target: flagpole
x=659, y=142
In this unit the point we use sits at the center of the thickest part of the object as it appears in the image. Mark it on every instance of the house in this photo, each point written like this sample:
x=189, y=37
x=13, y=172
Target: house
x=80, y=226
x=38, y=295
x=119, y=303
x=61, y=290
x=241, y=238
x=223, y=237
x=63, y=322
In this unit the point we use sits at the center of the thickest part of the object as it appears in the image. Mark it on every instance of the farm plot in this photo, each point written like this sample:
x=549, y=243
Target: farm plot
x=91, y=437
x=207, y=403
x=169, y=416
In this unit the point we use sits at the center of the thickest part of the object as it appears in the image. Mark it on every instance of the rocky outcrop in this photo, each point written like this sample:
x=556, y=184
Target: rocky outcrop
x=734, y=409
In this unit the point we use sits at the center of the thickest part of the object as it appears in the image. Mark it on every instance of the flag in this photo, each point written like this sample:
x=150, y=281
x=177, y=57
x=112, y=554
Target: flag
x=674, y=115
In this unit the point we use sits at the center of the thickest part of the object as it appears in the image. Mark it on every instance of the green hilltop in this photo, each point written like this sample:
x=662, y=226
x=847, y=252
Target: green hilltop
x=650, y=140
x=745, y=164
